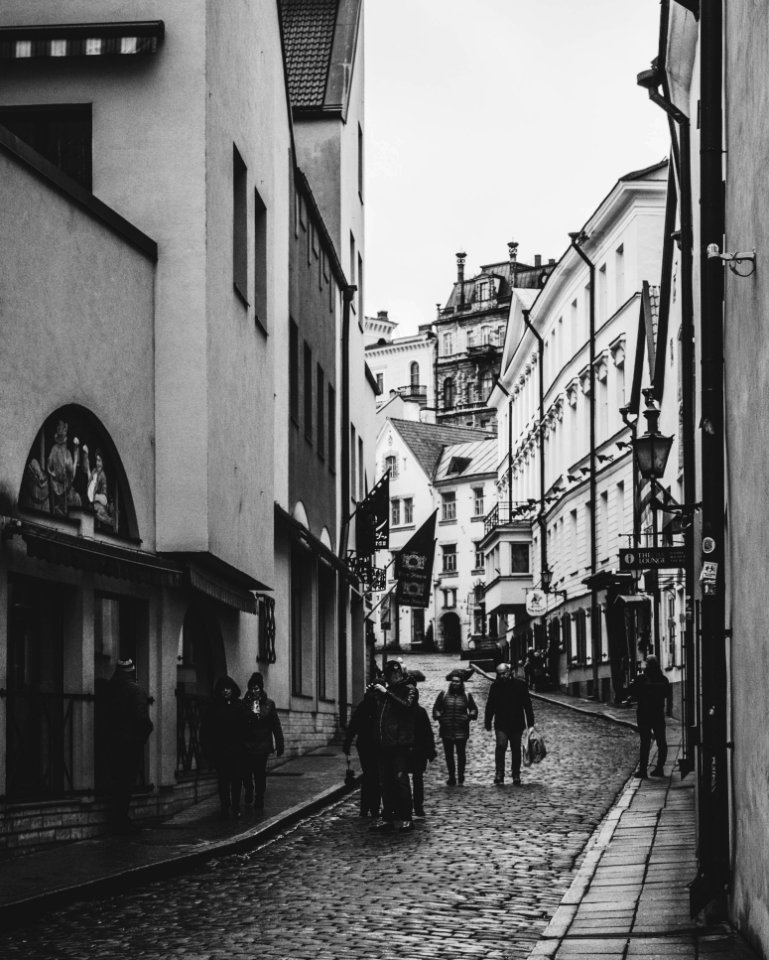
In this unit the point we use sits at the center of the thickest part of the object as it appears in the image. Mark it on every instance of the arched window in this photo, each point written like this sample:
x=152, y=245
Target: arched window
x=415, y=374
x=448, y=393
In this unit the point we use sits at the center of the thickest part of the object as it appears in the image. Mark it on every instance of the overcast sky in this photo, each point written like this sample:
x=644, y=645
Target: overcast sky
x=495, y=120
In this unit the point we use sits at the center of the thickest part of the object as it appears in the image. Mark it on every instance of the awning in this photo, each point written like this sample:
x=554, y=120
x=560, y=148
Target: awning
x=226, y=592
x=81, y=39
x=633, y=597
x=98, y=556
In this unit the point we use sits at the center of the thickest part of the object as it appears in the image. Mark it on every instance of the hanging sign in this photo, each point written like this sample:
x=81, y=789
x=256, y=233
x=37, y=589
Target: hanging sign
x=536, y=602
x=652, y=558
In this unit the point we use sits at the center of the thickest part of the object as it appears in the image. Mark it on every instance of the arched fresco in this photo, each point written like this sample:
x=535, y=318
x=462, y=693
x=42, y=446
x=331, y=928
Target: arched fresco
x=73, y=466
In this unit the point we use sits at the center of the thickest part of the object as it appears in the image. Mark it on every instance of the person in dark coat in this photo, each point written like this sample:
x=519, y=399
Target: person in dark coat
x=652, y=692
x=509, y=707
x=126, y=712
x=224, y=738
x=454, y=709
x=424, y=752
x=394, y=733
x=262, y=735
x=361, y=729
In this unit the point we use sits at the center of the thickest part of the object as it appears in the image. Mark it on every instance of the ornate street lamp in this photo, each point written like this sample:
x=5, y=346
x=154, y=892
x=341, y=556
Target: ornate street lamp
x=652, y=448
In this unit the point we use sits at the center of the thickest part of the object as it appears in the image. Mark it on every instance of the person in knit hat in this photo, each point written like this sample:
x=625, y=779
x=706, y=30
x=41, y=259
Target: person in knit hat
x=223, y=736
x=454, y=708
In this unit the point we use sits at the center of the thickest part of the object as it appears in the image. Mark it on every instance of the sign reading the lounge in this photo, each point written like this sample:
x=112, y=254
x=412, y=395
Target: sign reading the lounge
x=652, y=558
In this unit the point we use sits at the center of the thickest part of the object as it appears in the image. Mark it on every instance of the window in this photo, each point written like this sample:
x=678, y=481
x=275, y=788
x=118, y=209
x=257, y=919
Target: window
x=308, y=397
x=477, y=501
x=482, y=289
x=361, y=470
x=487, y=382
x=239, y=225
x=395, y=512
x=449, y=598
x=448, y=393
x=293, y=371
x=414, y=371
x=391, y=464
x=353, y=463
x=408, y=510
x=353, y=264
x=260, y=262
x=449, y=506
x=449, y=551
x=359, y=294
x=61, y=134
x=380, y=382
x=519, y=558
x=320, y=392
x=619, y=275
x=600, y=307
x=448, y=345
x=479, y=558
x=485, y=335
x=331, y=429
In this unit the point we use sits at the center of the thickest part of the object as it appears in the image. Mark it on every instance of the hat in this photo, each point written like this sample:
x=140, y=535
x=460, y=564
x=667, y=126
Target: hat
x=127, y=665
x=392, y=665
x=459, y=675
x=256, y=680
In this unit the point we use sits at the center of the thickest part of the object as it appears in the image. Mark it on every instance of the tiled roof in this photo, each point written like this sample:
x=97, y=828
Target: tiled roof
x=308, y=34
x=480, y=454
x=427, y=440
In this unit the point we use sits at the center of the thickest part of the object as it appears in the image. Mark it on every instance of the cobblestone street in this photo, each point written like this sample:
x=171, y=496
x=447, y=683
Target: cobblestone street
x=479, y=877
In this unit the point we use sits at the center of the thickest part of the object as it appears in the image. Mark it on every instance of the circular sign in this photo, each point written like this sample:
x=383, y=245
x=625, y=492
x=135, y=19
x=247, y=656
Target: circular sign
x=708, y=545
x=536, y=602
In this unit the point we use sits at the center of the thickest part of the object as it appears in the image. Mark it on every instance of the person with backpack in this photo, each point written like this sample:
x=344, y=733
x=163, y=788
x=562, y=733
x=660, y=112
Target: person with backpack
x=454, y=708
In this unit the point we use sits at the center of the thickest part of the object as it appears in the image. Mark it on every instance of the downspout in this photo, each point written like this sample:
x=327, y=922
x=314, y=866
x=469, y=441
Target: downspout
x=506, y=392
x=652, y=80
x=714, y=788
x=542, y=518
x=576, y=240
x=343, y=587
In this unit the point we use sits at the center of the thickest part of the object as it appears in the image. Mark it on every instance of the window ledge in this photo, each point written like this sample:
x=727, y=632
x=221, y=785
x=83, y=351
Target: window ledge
x=446, y=522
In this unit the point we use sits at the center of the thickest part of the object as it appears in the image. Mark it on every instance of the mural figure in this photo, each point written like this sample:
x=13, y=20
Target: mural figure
x=97, y=490
x=61, y=468
x=34, y=494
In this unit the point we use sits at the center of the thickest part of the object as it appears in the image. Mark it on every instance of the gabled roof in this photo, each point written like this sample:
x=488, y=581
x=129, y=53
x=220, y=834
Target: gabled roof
x=427, y=440
x=479, y=456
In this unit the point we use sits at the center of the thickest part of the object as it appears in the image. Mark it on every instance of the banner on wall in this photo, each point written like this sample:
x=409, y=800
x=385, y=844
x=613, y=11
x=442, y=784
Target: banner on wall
x=414, y=566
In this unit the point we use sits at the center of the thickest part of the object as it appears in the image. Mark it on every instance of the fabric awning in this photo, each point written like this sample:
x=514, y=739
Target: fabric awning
x=206, y=581
x=98, y=556
x=120, y=39
x=633, y=597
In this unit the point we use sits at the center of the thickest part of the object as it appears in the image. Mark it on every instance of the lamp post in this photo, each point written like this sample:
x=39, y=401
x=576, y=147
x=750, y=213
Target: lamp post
x=652, y=448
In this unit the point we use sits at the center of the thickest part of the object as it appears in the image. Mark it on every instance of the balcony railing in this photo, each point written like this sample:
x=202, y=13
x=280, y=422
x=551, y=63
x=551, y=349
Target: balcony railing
x=506, y=514
x=482, y=349
x=416, y=391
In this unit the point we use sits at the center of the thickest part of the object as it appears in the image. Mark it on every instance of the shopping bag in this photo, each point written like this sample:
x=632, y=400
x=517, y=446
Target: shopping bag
x=533, y=749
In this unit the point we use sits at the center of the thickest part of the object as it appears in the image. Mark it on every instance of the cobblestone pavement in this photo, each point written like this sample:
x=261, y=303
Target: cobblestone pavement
x=480, y=877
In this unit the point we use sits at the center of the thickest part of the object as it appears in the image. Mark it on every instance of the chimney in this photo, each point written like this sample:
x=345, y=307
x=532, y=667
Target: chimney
x=550, y=262
x=461, y=257
x=537, y=259
x=382, y=315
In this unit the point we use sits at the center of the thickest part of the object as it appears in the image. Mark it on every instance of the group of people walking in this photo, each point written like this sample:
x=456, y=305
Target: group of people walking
x=238, y=736
x=395, y=740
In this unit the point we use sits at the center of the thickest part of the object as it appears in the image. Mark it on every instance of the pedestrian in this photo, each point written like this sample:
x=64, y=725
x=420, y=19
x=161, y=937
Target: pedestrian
x=424, y=752
x=509, y=707
x=361, y=730
x=529, y=666
x=223, y=734
x=128, y=727
x=394, y=731
x=454, y=708
x=263, y=735
x=652, y=692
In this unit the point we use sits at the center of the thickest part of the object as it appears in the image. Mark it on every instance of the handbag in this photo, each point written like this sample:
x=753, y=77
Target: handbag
x=533, y=749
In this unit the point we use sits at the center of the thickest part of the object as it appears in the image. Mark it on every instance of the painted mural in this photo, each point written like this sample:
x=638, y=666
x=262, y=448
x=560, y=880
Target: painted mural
x=71, y=470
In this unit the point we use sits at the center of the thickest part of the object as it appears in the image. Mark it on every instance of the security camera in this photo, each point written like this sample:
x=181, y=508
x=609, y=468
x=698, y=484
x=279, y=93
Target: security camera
x=713, y=252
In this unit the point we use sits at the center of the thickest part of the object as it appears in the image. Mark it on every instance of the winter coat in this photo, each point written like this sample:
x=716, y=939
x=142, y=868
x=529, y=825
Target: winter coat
x=263, y=732
x=362, y=726
x=127, y=713
x=223, y=728
x=509, y=705
x=395, y=714
x=454, y=711
x=424, y=739
x=651, y=694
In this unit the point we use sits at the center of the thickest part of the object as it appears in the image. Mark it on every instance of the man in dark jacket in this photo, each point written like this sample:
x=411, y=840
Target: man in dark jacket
x=652, y=691
x=223, y=735
x=509, y=706
x=262, y=735
x=362, y=729
x=128, y=722
x=394, y=734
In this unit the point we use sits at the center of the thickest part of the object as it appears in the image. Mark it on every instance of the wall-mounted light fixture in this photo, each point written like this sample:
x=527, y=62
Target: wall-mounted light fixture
x=652, y=448
x=733, y=260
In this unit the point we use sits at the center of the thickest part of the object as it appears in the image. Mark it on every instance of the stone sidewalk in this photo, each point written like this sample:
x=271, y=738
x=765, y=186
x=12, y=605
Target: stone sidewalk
x=630, y=896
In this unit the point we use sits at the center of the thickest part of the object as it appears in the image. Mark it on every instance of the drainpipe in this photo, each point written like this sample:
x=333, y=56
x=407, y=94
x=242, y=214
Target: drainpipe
x=506, y=392
x=542, y=518
x=343, y=587
x=577, y=239
x=713, y=773
x=652, y=80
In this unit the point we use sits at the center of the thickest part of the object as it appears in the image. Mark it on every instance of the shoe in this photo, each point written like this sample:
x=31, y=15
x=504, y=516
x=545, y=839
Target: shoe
x=657, y=772
x=516, y=781
x=640, y=775
x=499, y=780
x=384, y=826
x=451, y=782
x=406, y=826
x=461, y=781
x=419, y=813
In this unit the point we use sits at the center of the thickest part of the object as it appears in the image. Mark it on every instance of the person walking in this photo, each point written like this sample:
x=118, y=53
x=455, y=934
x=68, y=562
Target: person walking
x=652, y=692
x=361, y=729
x=262, y=735
x=128, y=727
x=423, y=753
x=509, y=707
x=394, y=732
x=223, y=735
x=454, y=708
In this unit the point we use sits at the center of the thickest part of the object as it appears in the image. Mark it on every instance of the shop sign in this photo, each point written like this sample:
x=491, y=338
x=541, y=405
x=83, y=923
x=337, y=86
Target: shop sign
x=536, y=602
x=652, y=558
